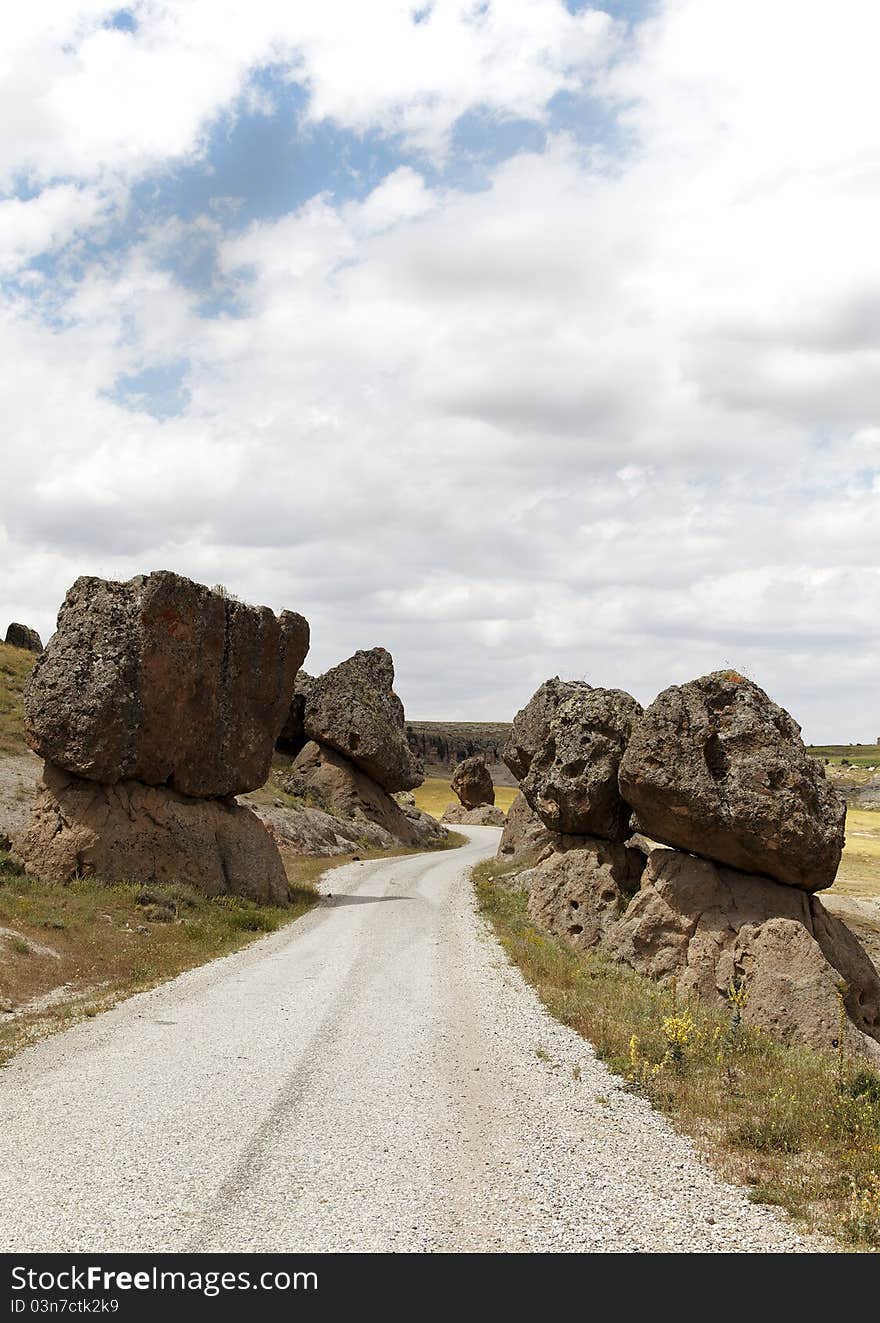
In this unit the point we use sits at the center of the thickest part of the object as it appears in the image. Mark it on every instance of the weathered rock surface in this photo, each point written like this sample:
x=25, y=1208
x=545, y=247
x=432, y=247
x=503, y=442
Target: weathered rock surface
x=717, y=768
x=340, y=788
x=531, y=725
x=571, y=782
x=583, y=887
x=129, y=832
x=485, y=815
x=525, y=839
x=22, y=636
x=472, y=783
x=353, y=709
x=163, y=681
x=708, y=926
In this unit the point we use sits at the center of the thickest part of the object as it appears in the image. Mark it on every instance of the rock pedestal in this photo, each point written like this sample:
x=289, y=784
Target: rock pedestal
x=472, y=783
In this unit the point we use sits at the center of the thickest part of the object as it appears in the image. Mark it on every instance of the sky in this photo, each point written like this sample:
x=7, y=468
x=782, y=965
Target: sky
x=520, y=337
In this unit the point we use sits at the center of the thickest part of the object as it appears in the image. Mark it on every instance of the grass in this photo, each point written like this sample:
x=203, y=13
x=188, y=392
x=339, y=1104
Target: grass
x=859, y=872
x=16, y=665
x=857, y=755
x=435, y=795
x=800, y=1129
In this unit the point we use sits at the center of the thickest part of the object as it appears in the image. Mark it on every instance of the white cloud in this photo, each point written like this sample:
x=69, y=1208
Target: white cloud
x=608, y=418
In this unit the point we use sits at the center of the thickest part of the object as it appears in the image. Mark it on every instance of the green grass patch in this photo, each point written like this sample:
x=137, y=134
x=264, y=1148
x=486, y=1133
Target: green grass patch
x=800, y=1129
x=16, y=665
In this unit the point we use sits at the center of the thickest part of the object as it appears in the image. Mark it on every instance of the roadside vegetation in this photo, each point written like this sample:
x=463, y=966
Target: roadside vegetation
x=799, y=1129
x=435, y=795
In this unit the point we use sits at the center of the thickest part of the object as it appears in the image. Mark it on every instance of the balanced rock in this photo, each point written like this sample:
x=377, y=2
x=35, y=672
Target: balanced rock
x=525, y=839
x=472, y=783
x=129, y=832
x=571, y=782
x=583, y=887
x=163, y=681
x=710, y=927
x=484, y=815
x=717, y=768
x=329, y=780
x=531, y=725
x=22, y=636
x=353, y=709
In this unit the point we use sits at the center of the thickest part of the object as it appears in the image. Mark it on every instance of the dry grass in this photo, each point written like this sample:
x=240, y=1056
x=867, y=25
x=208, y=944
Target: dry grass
x=800, y=1129
x=15, y=666
x=435, y=795
x=859, y=872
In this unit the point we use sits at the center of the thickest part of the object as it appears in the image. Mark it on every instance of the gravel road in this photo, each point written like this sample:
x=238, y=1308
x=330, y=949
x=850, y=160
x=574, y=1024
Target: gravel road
x=375, y=1077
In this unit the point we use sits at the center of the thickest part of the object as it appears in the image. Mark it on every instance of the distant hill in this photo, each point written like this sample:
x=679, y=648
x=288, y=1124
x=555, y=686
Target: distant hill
x=442, y=744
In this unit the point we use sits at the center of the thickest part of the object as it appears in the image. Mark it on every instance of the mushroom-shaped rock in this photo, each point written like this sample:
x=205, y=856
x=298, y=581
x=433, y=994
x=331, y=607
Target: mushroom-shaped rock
x=472, y=783
x=353, y=709
x=163, y=681
x=531, y=725
x=717, y=768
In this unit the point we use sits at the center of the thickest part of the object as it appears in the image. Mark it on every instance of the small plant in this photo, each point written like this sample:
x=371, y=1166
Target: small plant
x=861, y=1221
x=679, y=1031
x=19, y=944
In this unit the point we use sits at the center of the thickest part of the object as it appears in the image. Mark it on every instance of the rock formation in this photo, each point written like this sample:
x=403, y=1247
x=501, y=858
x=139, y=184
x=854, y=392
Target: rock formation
x=571, y=781
x=525, y=839
x=163, y=681
x=484, y=815
x=131, y=832
x=154, y=704
x=353, y=709
x=472, y=783
x=582, y=888
x=531, y=725
x=715, y=767
x=22, y=636
x=336, y=785
x=710, y=927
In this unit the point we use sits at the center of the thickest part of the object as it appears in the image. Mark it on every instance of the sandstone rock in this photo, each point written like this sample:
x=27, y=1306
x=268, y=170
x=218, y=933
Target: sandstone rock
x=525, y=839
x=405, y=798
x=531, y=725
x=484, y=815
x=163, y=681
x=571, y=782
x=129, y=832
x=344, y=790
x=353, y=709
x=582, y=889
x=717, y=768
x=472, y=783
x=703, y=925
x=21, y=636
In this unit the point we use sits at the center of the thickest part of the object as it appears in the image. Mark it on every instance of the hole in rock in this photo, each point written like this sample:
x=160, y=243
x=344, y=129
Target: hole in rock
x=575, y=929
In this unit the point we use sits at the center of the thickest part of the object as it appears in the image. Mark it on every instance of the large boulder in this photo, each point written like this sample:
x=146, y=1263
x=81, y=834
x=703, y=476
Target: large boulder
x=353, y=709
x=571, y=782
x=129, y=832
x=531, y=725
x=484, y=815
x=472, y=783
x=22, y=636
x=164, y=681
x=332, y=783
x=709, y=927
x=582, y=889
x=717, y=768
x=524, y=839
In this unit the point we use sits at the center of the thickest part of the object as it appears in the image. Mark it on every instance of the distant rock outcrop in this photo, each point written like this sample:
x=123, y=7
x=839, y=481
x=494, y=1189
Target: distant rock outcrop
x=353, y=709
x=163, y=681
x=717, y=768
x=484, y=815
x=472, y=783
x=22, y=636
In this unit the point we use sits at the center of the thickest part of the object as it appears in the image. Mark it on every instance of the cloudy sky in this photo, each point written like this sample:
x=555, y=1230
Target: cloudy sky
x=521, y=337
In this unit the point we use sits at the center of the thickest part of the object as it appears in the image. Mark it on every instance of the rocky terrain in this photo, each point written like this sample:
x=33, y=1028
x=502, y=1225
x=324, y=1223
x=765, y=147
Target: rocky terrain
x=718, y=773
x=473, y=788
x=441, y=745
